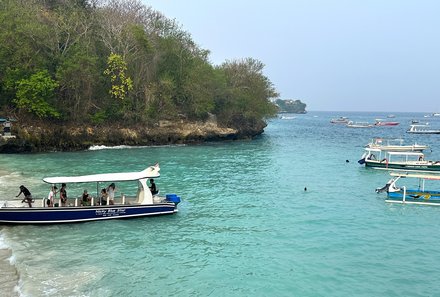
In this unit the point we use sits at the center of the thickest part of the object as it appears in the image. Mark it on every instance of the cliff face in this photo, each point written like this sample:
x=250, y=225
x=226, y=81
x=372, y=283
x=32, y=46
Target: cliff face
x=52, y=137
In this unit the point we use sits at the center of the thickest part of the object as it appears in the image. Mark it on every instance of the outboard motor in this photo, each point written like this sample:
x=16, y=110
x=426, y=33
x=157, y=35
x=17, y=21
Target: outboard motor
x=172, y=198
x=389, y=187
x=383, y=189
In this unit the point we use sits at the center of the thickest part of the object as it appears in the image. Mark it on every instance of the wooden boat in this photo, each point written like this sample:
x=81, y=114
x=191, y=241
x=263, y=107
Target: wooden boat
x=395, y=145
x=144, y=203
x=377, y=158
x=416, y=193
x=422, y=129
x=352, y=124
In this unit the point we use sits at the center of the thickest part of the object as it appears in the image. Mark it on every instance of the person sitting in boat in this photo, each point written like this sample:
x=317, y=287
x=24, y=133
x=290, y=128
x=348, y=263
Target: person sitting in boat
x=27, y=195
x=63, y=195
x=86, y=199
x=372, y=157
x=103, y=198
x=152, y=187
x=421, y=158
x=52, y=193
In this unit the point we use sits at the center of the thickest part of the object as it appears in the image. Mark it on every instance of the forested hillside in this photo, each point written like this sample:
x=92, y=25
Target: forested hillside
x=98, y=62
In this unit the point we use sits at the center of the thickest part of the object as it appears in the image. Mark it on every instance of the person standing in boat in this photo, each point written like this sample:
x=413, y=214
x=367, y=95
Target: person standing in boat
x=111, y=189
x=103, y=198
x=63, y=195
x=52, y=193
x=152, y=187
x=27, y=195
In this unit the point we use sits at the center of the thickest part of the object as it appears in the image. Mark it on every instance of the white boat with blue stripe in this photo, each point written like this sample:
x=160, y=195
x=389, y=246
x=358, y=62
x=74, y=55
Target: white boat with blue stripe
x=144, y=203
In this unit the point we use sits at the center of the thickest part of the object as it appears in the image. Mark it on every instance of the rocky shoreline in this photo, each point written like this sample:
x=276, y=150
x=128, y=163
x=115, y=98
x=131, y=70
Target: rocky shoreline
x=43, y=137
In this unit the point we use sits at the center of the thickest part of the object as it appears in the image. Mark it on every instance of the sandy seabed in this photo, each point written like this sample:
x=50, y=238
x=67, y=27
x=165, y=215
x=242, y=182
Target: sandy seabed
x=8, y=275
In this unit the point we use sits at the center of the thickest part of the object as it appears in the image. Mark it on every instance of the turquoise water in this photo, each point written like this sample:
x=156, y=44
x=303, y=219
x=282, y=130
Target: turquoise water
x=245, y=227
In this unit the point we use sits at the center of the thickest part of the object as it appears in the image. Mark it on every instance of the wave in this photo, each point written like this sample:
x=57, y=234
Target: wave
x=10, y=277
x=104, y=147
x=119, y=147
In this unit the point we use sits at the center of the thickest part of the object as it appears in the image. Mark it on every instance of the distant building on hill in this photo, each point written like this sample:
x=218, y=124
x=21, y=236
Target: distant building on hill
x=291, y=106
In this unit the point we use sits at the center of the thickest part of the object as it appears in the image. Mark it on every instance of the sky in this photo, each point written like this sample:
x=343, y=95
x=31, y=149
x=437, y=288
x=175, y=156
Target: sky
x=339, y=55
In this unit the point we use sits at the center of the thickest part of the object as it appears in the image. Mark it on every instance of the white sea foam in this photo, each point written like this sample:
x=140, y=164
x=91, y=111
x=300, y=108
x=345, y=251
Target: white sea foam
x=104, y=147
x=3, y=244
x=119, y=147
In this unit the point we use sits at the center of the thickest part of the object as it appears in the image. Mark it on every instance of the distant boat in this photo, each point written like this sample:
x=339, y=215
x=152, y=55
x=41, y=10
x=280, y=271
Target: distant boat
x=352, y=124
x=422, y=129
x=436, y=114
x=340, y=120
x=380, y=122
x=287, y=118
x=391, y=116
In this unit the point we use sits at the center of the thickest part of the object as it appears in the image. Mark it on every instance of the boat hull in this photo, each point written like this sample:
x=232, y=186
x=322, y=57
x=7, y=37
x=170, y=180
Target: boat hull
x=415, y=196
x=55, y=215
x=403, y=166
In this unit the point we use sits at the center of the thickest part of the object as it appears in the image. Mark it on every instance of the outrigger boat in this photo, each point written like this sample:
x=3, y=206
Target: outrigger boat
x=143, y=204
x=377, y=158
x=417, y=195
x=395, y=145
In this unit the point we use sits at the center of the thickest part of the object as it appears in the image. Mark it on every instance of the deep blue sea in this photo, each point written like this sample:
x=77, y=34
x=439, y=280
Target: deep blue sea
x=245, y=227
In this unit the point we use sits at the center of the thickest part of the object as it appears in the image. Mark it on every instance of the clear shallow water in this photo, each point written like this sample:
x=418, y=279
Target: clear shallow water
x=246, y=227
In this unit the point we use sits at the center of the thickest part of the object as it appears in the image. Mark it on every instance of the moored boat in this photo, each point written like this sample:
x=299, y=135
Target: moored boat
x=352, y=124
x=377, y=158
x=340, y=120
x=395, y=145
x=416, y=193
x=380, y=122
x=422, y=129
x=144, y=203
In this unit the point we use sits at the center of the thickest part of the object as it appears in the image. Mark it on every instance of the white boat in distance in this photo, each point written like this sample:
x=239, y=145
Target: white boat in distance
x=340, y=120
x=395, y=145
x=422, y=129
x=352, y=124
x=143, y=204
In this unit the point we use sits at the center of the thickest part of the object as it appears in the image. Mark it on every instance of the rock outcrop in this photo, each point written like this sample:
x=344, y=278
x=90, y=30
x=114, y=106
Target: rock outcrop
x=40, y=137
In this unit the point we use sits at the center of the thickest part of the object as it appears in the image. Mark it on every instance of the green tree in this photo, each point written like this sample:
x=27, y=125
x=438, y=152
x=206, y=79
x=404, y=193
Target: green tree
x=120, y=83
x=247, y=94
x=35, y=95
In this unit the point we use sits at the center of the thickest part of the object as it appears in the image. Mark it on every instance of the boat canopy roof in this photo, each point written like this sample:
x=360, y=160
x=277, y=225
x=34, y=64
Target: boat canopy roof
x=150, y=172
x=405, y=153
x=416, y=175
x=373, y=149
